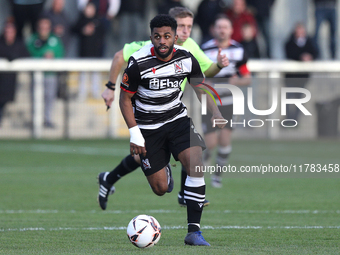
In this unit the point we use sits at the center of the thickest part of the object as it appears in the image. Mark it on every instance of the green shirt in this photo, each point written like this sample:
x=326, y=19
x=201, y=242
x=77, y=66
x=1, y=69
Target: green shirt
x=189, y=44
x=38, y=48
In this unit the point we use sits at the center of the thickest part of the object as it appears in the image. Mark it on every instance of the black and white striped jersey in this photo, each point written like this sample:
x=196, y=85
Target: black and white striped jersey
x=157, y=85
x=237, y=64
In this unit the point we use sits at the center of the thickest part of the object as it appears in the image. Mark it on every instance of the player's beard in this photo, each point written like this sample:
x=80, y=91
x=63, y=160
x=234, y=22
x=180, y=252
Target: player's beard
x=164, y=55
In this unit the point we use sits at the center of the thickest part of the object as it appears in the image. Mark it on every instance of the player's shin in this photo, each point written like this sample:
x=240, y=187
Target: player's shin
x=194, y=194
x=126, y=166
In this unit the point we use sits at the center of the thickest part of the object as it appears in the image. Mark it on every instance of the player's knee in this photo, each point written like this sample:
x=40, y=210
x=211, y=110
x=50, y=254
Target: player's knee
x=160, y=189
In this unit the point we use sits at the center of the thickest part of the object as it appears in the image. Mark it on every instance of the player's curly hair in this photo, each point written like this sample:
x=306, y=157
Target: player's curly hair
x=163, y=20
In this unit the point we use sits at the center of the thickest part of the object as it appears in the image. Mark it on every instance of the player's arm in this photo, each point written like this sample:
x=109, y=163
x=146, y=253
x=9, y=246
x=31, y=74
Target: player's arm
x=208, y=67
x=129, y=86
x=244, y=77
x=119, y=60
x=137, y=143
x=212, y=107
x=222, y=61
x=116, y=66
x=199, y=90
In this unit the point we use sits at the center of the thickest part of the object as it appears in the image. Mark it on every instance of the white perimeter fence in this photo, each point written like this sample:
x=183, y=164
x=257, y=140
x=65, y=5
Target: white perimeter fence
x=77, y=114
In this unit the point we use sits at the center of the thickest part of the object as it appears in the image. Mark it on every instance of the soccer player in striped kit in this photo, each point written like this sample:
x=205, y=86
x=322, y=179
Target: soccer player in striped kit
x=184, y=18
x=150, y=102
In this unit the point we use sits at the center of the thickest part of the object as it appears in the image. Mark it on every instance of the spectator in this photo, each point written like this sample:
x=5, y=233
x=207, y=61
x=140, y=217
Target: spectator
x=239, y=15
x=164, y=6
x=44, y=44
x=261, y=10
x=91, y=32
x=299, y=47
x=106, y=9
x=249, y=42
x=11, y=47
x=205, y=17
x=326, y=10
x=131, y=21
x=60, y=24
x=26, y=10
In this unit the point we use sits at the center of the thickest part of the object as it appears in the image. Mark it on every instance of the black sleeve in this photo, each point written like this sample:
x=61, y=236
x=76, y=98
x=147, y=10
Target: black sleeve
x=131, y=77
x=196, y=76
x=244, y=59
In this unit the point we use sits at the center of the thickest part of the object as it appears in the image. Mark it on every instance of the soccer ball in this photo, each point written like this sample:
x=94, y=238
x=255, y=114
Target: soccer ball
x=144, y=231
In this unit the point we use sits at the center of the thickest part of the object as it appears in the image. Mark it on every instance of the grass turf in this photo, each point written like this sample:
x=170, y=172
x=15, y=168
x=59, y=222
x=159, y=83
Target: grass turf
x=48, y=202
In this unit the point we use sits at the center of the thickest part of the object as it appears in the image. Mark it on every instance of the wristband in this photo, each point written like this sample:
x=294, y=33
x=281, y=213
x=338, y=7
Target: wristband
x=219, y=66
x=136, y=136
x=111, y=85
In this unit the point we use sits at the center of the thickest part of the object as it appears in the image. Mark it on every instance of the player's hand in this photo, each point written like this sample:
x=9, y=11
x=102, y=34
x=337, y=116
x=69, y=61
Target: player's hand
x=218, y=120
x=222, y=59
x=108, y=95
x=136, y=150
x=137, y=142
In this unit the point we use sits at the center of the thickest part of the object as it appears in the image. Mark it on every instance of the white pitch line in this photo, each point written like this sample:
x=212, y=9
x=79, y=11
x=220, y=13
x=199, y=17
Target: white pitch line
x=112, y=228
x=67, y=149
x=206, y=211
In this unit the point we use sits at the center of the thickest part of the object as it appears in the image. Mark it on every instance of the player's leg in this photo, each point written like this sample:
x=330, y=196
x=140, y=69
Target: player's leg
x=155, y=164
x=108, y=179
x=180, y=196
x=224, y=145
x=194, y=194
x=211, y=141
x=223, y=152
x=186, y=146
x=159, y=182
x=126, y=166
x=210, y=138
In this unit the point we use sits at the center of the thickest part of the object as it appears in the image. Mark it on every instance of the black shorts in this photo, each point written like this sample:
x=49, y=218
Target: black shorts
x=227, y=113
x=171, y=138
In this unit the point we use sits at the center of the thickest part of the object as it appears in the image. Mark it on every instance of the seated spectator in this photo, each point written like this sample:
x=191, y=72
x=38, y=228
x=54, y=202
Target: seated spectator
x=249, y=42
x=11, y=47
x=239, y=15
x=44, y=44
x=299, y=47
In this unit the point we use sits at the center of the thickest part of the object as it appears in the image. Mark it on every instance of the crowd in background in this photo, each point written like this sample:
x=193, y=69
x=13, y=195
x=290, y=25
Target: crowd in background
x=50, y=31
x=97, y=19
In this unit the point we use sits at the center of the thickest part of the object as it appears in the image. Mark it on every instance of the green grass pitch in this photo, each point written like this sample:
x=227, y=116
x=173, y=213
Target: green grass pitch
x=48, y=204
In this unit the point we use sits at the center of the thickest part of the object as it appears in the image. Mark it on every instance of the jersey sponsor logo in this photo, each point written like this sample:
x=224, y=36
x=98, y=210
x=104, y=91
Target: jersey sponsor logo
x=155, y=83
x=153, y=70
x=125, y=80
x=178, y=67
x=146, y=163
